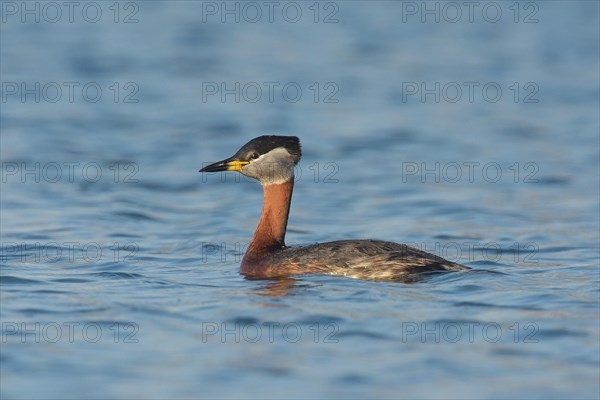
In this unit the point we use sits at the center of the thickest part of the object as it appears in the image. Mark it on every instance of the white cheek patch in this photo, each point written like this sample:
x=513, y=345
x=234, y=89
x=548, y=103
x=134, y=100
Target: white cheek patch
x=274, y=167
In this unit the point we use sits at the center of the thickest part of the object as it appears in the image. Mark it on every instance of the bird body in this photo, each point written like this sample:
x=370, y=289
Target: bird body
x=271, y=160
x=361, y=259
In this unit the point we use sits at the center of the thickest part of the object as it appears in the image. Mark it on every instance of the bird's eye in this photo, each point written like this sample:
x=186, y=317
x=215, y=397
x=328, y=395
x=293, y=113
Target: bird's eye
x=254, y=156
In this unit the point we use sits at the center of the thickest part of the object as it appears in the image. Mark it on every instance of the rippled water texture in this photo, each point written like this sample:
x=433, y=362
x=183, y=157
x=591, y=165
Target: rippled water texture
x=475, y=137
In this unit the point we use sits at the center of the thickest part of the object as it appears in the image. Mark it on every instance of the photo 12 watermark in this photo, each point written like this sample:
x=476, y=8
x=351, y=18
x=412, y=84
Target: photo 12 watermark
x=468, y=332
x=454, y=12
x=268, y=332
x=269, y=92
x=69, y=332
x=54, y=12
x=67, y=252
x=253, y=12
x=69, y=172
x=469, y=172
x=69, y=92
x=470, y=92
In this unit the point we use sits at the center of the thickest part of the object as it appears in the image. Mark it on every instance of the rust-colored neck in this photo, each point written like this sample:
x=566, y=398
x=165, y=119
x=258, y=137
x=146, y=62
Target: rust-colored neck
x=270, y=233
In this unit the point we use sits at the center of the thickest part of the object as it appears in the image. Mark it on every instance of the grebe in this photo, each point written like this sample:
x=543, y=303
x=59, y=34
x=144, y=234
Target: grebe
x=271, y=160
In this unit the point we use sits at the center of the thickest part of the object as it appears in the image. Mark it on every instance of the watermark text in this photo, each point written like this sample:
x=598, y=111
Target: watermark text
x=469, y=172
x=253, y=12
x=52, y=12
x=269, y=332
x=70, y=252
x=71, y=92
x=452, y=12
x=269, y=92
x=70, y=332
x=68, y=172
x=470, y=91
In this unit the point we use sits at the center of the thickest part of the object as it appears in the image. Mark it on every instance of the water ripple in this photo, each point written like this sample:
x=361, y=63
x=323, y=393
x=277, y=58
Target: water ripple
x=118, y=275
x=135, y=215
x=14, y=280
x=363, y=334
x=501, y=306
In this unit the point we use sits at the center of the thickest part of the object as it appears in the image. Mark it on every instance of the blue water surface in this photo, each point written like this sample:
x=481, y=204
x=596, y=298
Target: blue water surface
x=472, y=134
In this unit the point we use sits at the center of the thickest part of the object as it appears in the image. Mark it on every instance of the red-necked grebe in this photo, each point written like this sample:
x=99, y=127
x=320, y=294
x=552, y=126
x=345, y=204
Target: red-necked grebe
x=271, y=160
